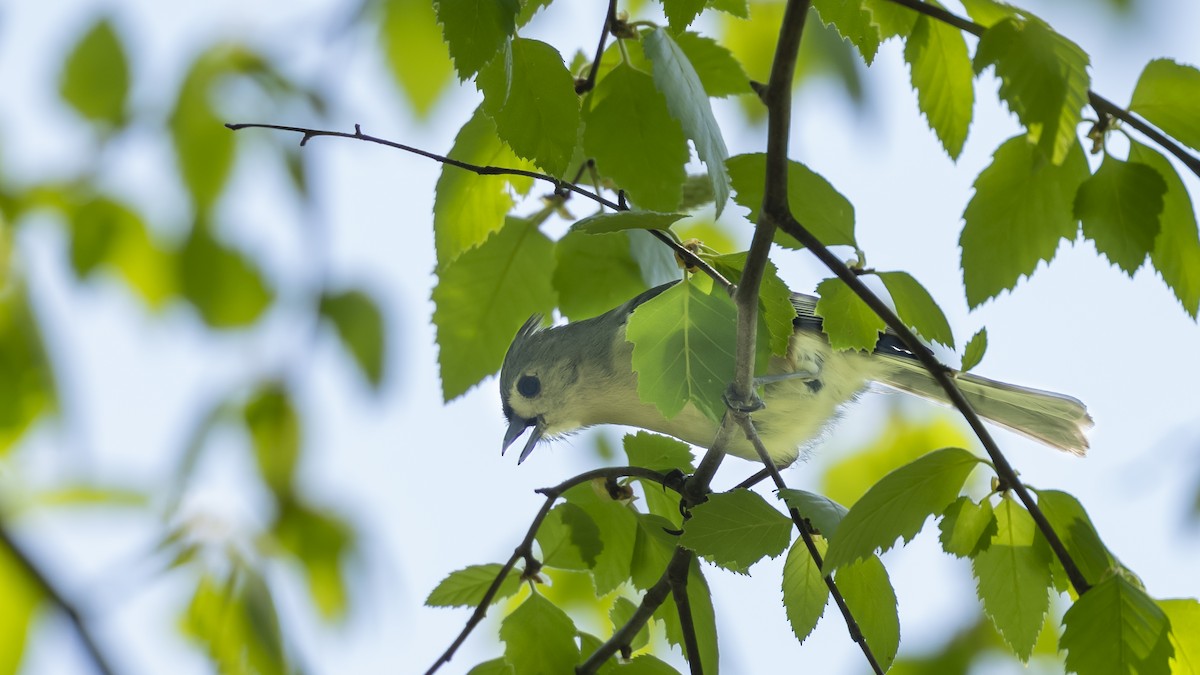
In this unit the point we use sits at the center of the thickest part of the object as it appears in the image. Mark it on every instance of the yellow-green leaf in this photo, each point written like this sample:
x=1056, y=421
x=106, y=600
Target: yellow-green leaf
x=95, y=78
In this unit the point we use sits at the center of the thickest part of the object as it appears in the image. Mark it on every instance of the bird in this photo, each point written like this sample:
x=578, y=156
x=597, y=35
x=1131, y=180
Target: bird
x=558, y=379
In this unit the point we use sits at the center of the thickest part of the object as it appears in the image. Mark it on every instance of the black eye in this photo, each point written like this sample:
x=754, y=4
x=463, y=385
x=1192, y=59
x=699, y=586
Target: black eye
x=529, y=386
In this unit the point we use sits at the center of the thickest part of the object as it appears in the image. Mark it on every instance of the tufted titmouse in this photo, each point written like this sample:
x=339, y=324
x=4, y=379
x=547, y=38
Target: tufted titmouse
x=563, y=378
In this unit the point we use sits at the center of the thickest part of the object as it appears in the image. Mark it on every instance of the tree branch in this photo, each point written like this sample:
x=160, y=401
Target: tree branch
x=610, y=20
x=677, y=574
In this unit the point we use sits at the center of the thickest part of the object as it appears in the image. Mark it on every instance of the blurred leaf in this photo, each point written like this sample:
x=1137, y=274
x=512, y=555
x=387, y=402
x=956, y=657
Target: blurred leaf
x=872, y=600
x=581, y=260
x=1043, y=79
x=221, y=283
x=941, y=73
x=27, y=388
x=1119, y=207
x=236, y=623
x=467, y=207
x=1168, y=95
x=466, y=587
x=703, y=617
x=604, y=223
x=321, y=542
x=415, y=52
x=636, y=143
x=917, y=308
x=204, y=148
x=898, y=505
x=814, y=202
x=475, y=30
x=1022, y=209
x=1116, y=628
x=1071, y=523
x=967, y=528
x=688, y=102
x=975, y=349
x=274, y=427
x=804, y=591
x=539, y=638
x=622, y=611
x=95, y=78
x=530, y=95
x=484, y=296
x=845, y=318
x=569, y=539
x=1014, y=578
x=736, y=529
x=359, y=323
x=1184, y=614
x=83, y=495
x=105, y=232
x=718, y=70
x=853, y=22
x=822, y=512
x=21, y=600
x=1176, y=253
x=618, y=532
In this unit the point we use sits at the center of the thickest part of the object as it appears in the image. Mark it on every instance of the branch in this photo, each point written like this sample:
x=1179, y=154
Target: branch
x=525, y=548
x=677, y=574
x=1102, y=105
x=48, y=588
x=610, y=20
x=561, y=187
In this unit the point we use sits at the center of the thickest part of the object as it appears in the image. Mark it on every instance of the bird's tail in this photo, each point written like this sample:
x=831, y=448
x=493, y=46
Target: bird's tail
x=1057, y=420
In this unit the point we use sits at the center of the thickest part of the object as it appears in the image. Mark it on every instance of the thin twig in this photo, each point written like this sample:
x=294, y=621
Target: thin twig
x=47, y=587
x=677, y=573
x=610, y=20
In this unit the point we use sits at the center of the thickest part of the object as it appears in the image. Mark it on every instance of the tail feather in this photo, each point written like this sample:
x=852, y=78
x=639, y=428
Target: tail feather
x=1057, y=420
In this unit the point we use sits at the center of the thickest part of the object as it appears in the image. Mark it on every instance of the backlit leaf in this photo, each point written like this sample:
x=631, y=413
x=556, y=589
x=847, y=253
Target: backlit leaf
x=1184, y=614
x=569, y=539
x=321, y=543
x=359, y=323
x=941, y=73
x=274, y=427
x=846, y=319
x=967, y=528
x=736, y=529
x=581, y=260
x=107, y=234
x=539, y=638
x=603, y=223
x=660, y=453
x=816, y=204
x=1119, y=208
x=681, y=13
x=475, y=30
x=975, y=349
x=466, y=587
x=1116, y=628
x=718, y=70
x=804, y=591
x=618, y=531
x=776, y=311
x=21, y=600
x=95, y=78
x=853, y=22
x=1176, y=253
x=221, y=283
x=1168, y=95
x=824, y=513
x=917, y=308
x=27, y=389
x=1070, y=521
x=415, y=51
x=872, y=600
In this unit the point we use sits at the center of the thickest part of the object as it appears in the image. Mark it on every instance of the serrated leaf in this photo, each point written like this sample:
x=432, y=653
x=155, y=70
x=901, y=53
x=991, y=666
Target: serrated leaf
x=776, y=311
x=1070, y=521
x=853, y=22
x=804, y=591
x=620, y=614
x=529, y=8
x=603, y=223
x=635, y=141
x=1014, y=578
x=95, y=78
x=815, y=204
x=894, y=20
x=872, y=601
x=1116, y=628
x=27, y=388
x=539, y=638
x=1184, y=614
x=530, y=95
x=974, y=351
x=824, y=513
x=359, y=325
x=941, y=73
x=917, y=308
x=897, y=506
x=688, y=102
x=466, y=587
x=484, y=296
x=1168, y=96
x=618, y=532
x=846, y=319
x=415, y=52
x=967, y=528
x=468, y=207
x=736, y=529
x=569, y=538
x=1176, y=253
x=660, y=453
x=475, y=30
x=652, y=548
x=1043, y=79
x=1119, y=207
x=1022, y=208
x=717, y=68
x=703, y=617
x=221, y=283
x=681, y=13
x=274, y=427
x=580, y=260
x=738, y=8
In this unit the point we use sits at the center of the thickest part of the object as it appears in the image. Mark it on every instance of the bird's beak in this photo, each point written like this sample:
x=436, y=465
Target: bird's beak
x=516, y=427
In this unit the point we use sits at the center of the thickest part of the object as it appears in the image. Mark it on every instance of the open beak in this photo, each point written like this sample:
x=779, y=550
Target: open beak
x=517, y=426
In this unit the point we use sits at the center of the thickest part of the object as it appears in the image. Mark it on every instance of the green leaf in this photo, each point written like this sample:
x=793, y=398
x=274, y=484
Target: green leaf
x=898, y=505
x=415, y=51
x=221, y=283
x=893, y=20
x=988, y=13
x=1014, y=578
x=1116, y=628
x=484, y=296
x=95, y=78
x=703, y=617
x=917, y=308
x=974, y=351
x=804, y=591
x=736, y=529
x=941, y=73
x=814, y=202
x=1022, y=209
x=1176, y=253
x=236, y=621
x=468, y=207
x=1184, y=614
x=1070, y=521
x=853, y=22
x=1119, y=207
x=688, y=102
x=569, y=538
x=106, y=233
x=274, y=427
x=497, y=666
x=321, y=542
x=717, y=68
x=1168, y=95
x=618, y=532
x=204, y=148
x=872, y=601
x=660, y=453
x=529, y=8
x=824, y=513
x=620, y=614
x=1043, y=79
x=846, y=319
x=604, y=223
x=27, y=389
x=776, y=311
x=539, y=638
x=681, y=13
x=359, y=324
x=582, y=259
x=475, y=30
x=683, y=342
x=22, y=598
x=466, y=587
x=652, y=548
x=635, y=141
x=645, y=664
x=967, y=528
x=530, y=95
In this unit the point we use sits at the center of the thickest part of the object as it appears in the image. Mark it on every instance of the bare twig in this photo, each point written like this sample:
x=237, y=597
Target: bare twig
x=677, y=574
x=610, y=20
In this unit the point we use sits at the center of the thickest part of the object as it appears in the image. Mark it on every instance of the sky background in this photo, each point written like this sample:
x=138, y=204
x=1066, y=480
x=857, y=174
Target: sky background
x=425, y=481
